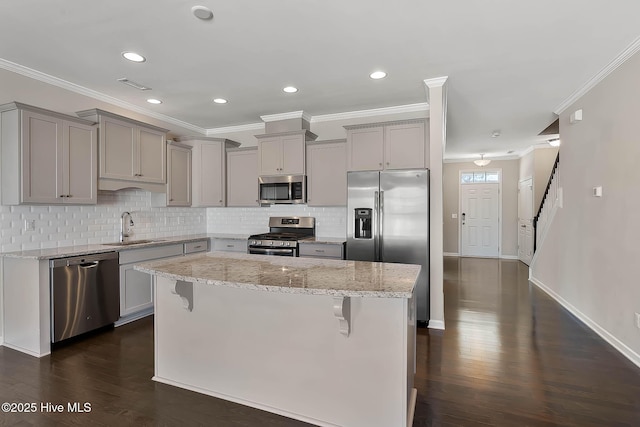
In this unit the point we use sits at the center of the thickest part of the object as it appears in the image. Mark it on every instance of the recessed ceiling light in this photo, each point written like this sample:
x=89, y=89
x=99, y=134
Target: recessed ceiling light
x=134, y=57
x=202, y=12
x=376, y=75
x=290, y=89
x=220, y=101
x=154, y=101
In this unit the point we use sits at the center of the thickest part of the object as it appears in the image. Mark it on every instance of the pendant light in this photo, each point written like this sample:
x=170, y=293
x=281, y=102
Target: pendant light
x=482, y=161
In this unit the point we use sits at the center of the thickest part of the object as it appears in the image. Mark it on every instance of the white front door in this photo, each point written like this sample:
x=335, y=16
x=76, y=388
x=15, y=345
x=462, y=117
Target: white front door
x=479, y=220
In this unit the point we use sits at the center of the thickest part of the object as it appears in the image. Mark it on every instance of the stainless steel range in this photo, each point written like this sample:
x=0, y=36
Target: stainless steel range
x=283, y=236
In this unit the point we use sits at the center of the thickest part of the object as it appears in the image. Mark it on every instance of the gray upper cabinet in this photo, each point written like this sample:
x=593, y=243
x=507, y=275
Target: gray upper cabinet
x=327, y=173
x=209, y=170
x=283, y=153
x=391, y=145
x=132, y=153
x=179, y=175
x=242, y=177
x=47, y=157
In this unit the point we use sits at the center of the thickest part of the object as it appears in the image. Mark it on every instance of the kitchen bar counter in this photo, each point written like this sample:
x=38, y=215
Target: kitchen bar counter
x=327, y=342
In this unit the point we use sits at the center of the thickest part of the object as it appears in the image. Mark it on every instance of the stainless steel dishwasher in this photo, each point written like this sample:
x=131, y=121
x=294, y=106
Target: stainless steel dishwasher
x=85, y=294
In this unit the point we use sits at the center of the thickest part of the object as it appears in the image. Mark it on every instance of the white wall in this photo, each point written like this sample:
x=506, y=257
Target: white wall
x=330, y=222
x=57, y=226
x=588, y=260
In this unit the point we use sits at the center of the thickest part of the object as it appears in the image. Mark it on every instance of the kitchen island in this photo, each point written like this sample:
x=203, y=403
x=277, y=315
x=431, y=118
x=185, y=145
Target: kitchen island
x=324, y=341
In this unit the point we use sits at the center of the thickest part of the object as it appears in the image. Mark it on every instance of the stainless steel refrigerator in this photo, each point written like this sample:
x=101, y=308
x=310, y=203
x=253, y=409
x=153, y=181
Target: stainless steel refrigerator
x=388, y=221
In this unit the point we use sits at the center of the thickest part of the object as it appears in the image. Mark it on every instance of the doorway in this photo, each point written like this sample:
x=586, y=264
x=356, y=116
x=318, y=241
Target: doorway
x=525, y=220
x=480, y=213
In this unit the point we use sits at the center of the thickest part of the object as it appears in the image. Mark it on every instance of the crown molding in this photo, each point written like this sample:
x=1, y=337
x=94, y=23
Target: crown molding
x=58, y=82
x=284, y=116
x=493, y=159
x=410, y=108
x=631, y=50
x=436, y=82
x=238, y=128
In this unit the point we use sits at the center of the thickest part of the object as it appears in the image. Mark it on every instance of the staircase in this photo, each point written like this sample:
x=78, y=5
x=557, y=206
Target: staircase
x=548, y=206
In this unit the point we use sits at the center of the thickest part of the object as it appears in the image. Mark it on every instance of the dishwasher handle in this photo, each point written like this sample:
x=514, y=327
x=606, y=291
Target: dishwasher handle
x=84, y=261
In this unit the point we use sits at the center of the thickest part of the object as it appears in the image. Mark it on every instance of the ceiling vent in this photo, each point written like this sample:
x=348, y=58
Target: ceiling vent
x=133, y=84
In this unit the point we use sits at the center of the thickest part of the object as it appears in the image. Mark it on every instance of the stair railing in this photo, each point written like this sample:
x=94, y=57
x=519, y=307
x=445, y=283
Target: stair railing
x=549, y=200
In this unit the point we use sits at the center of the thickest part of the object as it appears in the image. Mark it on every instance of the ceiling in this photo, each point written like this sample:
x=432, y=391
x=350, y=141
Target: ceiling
x=510, y=64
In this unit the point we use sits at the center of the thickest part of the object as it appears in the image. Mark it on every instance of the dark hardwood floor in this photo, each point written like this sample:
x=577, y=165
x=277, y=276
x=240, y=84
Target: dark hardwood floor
x=510, y=356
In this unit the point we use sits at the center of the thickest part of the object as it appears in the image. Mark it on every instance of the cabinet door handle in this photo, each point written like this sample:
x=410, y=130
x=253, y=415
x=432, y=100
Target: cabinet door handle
x=230, y=246
x=320, y=250
x=197, y=247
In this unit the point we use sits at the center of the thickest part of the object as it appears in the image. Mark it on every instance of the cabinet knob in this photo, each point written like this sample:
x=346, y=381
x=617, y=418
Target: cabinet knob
x=387, y=163
x=380, y=164
x=220, y=201
x=62, y=195
x=171, y=200
x=69, y=195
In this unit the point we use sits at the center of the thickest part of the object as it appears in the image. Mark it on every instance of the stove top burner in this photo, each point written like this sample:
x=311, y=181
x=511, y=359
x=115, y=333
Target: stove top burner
x=277, y=236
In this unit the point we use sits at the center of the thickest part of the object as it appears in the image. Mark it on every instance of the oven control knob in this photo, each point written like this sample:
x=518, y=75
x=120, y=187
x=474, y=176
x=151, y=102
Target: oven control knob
x=259, y=242
x=288, y=244
x=281, y=243
x=253, y=242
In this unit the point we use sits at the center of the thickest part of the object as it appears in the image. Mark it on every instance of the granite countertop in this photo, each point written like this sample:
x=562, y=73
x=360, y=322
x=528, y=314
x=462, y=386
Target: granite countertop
x=229, y=236
x=325, y=240
x=290, y=275
x=68, y=251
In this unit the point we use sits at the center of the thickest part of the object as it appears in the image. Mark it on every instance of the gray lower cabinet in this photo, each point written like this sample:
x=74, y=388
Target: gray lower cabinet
x=136, y=288
x=229, y=245
x=322, y=250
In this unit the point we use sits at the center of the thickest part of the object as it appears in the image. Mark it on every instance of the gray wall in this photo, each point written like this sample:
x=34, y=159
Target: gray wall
x=510, y=175
x=588, y=259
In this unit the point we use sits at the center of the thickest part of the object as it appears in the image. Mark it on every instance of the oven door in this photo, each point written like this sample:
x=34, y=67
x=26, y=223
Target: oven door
x=273, y=251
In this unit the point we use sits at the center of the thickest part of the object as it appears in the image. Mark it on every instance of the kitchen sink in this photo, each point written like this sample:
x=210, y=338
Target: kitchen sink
x=132, y=242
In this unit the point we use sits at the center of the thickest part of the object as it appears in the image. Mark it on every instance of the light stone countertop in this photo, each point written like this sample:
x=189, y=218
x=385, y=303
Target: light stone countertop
x=229, y=236
x=290, y=275
x=69, y=251
x=325, y=240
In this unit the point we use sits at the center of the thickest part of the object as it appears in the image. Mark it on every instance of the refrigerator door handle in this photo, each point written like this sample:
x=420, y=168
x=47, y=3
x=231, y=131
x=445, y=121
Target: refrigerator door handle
x=381, y=228
x=376, y=228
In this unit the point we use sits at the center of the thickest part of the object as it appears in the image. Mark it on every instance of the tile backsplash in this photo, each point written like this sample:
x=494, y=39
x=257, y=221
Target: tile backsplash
x=56, y=226
x=330, y=221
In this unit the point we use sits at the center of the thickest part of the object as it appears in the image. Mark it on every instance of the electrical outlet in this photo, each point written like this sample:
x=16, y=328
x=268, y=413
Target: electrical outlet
x=29, y=225
x=638, y=320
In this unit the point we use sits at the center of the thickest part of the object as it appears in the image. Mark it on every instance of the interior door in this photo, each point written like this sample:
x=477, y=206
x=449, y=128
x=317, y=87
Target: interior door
x=525, y=220
x=479, y=220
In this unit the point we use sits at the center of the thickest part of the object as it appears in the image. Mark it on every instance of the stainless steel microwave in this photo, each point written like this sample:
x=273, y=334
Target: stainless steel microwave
x=291, y=189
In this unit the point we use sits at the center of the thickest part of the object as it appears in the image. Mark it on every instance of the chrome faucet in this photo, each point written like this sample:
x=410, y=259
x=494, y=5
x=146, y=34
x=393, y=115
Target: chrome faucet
x=125, y=225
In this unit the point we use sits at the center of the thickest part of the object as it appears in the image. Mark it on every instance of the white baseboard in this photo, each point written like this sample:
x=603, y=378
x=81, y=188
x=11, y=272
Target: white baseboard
x=451, y=254
x=603, y=333
x=509, y=257
x=436, y=324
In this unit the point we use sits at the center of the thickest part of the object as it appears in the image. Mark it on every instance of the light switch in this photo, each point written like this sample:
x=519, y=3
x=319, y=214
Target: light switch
x=454, y=216
x=597, y=191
